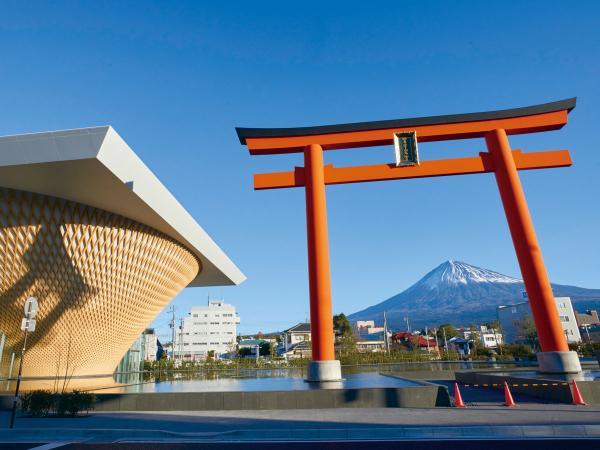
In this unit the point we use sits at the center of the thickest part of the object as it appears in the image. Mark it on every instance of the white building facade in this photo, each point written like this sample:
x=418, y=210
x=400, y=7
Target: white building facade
x=512, y=316
x=488, y=337
x=211, y=328
x=151, y=345
x=490, y=340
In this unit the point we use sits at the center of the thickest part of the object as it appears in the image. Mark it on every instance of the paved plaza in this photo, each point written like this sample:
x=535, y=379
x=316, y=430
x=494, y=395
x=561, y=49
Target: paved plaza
x=529, y=420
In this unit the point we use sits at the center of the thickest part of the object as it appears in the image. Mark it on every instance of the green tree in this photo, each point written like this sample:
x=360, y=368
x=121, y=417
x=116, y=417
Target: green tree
x=450, y=331
x=265, y=349
x=527, y=332
x=342, y=324
x=244, y=351
x=347, y=345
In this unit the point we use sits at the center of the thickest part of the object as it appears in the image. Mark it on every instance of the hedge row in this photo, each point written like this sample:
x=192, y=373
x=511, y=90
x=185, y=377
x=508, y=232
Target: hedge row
x=43, y=403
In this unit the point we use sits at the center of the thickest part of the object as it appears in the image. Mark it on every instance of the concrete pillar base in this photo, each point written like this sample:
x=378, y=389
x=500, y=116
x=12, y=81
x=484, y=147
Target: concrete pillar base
x=558, y=362
x=319, y=371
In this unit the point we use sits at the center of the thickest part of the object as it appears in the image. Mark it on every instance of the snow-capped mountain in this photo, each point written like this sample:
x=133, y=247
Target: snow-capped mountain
x=455, y=272
x=460, y=293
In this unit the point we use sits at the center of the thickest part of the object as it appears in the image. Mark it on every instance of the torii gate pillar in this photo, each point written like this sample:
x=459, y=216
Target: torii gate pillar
x=324, y=366
x=555, y=355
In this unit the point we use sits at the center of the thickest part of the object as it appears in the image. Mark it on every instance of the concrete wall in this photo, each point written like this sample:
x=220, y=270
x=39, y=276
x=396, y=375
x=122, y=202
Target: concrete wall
x=427, y=396
x=418, y=396
x=590, y=390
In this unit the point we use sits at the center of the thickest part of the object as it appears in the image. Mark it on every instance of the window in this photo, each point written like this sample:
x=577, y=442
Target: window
x=513, y=310
x=564, y=318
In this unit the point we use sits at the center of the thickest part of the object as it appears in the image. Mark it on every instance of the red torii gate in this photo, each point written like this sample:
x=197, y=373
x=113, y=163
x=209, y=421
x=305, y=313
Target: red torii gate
x=493, y=126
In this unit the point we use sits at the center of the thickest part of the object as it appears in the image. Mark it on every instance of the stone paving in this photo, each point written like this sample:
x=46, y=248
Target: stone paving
x=525, y=421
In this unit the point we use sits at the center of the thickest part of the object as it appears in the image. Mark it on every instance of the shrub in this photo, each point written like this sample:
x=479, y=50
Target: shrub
x=80, y=401
x=37, y=403
x=518, y=351
x=41, y=403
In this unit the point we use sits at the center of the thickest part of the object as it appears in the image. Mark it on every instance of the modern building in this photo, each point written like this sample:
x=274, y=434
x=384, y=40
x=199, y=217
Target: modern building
x=514, y=319
x=363, y=324
x=129, y=369
x=88, y=229
x=150, y=345
x=367, y=341
x=210, y=328
x=368, y=326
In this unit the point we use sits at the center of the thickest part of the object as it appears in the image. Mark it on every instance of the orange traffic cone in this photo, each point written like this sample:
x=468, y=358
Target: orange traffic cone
x=577, y=397
x=458, y=401
x=508, y=399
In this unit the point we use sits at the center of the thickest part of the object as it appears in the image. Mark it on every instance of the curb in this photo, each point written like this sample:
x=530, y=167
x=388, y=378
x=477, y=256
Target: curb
x=395, y=433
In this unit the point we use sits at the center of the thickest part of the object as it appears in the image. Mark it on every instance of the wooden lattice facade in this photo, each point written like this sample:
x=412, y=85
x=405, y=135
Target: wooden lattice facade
x=100, y=279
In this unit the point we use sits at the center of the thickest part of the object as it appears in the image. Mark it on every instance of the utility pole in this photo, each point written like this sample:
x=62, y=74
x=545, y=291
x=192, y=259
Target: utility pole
x=498, y=344
x=172, y=324
x=445, y=340
x=181, y=339
x=385, y=334
x=427, y=338
x=407, y=324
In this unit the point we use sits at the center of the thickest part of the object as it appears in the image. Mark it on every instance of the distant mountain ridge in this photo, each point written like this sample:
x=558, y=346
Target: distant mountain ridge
x=460, y=293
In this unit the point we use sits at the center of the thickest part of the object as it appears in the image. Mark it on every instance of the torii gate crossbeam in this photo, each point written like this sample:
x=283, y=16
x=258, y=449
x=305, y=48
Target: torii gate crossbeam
x=494, y=127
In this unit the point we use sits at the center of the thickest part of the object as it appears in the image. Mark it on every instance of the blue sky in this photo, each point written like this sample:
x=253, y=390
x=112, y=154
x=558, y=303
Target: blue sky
x=175, y=78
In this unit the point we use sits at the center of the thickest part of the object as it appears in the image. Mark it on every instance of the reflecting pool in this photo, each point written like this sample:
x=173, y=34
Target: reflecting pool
x=288, y=383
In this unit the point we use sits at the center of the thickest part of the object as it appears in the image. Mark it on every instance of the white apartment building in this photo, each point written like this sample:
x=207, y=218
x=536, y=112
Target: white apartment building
x=150, y=345
x=207, y=328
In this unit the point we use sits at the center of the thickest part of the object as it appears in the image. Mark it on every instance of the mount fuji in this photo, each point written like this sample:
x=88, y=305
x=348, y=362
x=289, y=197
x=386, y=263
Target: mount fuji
x=462, y=294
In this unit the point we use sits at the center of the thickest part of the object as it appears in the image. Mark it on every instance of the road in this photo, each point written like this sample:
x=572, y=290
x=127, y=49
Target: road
x=454, y=444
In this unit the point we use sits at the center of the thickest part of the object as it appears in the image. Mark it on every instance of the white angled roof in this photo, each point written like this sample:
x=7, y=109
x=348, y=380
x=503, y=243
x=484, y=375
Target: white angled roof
x=96, y=167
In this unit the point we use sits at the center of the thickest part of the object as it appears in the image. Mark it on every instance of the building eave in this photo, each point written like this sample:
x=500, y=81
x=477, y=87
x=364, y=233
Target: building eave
x=96, y=167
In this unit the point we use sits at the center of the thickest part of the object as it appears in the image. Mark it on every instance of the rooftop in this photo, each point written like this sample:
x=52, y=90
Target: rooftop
x=303, y=327
x=252, y=342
